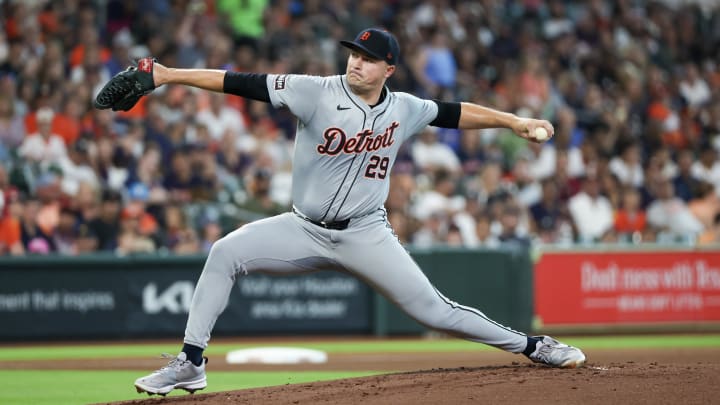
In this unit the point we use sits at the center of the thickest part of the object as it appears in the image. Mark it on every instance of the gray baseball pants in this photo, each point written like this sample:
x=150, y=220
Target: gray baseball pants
x=367, y=249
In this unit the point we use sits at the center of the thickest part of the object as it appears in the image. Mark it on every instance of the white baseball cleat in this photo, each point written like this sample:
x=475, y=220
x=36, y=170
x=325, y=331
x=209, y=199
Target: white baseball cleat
x=556, y=354
x=179, y=373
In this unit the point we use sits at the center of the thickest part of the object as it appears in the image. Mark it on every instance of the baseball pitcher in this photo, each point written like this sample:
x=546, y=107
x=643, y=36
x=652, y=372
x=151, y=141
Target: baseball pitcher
x=349, y=130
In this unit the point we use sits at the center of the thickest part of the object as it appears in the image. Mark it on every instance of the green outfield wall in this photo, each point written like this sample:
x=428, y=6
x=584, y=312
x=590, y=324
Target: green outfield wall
x=105, y=296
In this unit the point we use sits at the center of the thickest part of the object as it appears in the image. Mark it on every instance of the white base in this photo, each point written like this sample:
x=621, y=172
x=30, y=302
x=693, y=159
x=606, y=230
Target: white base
x=276, y=355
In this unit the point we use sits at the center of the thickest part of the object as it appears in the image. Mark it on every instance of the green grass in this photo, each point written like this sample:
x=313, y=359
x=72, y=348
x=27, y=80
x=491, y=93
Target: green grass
x=60, y=387
x=380, y=346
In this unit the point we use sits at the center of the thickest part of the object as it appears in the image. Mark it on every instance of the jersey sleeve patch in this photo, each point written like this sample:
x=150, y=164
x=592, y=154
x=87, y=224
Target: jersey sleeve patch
x=280, y=82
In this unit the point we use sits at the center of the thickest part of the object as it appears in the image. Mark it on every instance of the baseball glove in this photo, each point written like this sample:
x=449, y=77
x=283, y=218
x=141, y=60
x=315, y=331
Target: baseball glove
x=124, y=89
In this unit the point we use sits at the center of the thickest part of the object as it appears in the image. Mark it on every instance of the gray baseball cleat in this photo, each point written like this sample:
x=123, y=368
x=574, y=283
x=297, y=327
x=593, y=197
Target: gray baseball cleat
x=179, y=373
x=553, y=353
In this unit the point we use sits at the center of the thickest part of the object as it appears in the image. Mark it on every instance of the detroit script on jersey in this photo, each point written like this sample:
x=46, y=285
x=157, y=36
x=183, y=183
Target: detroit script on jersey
x=336, y=141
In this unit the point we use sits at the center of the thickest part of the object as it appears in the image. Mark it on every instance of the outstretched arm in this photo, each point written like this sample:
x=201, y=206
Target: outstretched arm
x=249, y=85
x=473, y=116
x=208, y=79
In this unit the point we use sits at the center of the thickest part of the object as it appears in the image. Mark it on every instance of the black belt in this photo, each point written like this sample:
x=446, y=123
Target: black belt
x=337, y=225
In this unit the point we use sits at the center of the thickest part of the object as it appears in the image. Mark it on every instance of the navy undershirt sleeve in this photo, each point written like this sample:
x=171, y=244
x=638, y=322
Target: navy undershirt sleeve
x=448, y=115
x=248, y=85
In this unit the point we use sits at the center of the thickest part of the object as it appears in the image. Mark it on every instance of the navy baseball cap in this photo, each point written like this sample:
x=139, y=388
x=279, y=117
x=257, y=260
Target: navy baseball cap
x=379, y=44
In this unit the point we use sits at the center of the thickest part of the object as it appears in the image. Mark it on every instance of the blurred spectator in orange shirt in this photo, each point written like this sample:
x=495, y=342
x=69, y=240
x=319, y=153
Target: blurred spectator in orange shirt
x=88, y=39
x=136, y=208
x=138, y=228
x=10, y=241
x=130, y=239
x=630, y=217
x=10, y=209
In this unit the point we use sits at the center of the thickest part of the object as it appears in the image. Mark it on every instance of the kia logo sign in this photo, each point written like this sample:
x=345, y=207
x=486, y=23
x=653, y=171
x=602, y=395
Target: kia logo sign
x=175, y=299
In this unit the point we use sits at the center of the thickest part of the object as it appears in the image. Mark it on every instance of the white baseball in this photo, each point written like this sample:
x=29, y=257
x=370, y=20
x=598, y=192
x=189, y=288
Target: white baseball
x=541, y=134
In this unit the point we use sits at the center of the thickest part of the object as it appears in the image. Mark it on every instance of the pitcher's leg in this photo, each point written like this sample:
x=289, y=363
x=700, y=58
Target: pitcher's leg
x=377, y=257
x=277, y=245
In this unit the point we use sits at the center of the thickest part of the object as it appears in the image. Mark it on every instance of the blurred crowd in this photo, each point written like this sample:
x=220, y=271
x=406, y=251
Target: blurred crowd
x=632, y=88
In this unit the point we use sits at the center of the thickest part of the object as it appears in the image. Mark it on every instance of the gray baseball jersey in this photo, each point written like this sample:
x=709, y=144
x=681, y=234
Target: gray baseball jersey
x=344, y=151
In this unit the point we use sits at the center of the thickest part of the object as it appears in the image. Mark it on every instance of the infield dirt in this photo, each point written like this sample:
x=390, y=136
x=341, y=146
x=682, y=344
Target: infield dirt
x=638, y=376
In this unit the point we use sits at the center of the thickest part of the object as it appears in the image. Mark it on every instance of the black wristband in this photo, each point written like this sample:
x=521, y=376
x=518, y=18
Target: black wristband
x=448, y=115
x=248, y=85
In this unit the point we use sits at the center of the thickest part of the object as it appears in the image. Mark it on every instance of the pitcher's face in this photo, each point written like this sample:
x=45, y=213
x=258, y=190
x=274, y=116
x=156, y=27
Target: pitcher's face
x=365, y=73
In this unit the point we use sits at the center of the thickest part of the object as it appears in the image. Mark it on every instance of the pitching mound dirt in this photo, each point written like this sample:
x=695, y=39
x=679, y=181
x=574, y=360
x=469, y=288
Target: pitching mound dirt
x=611, y=377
